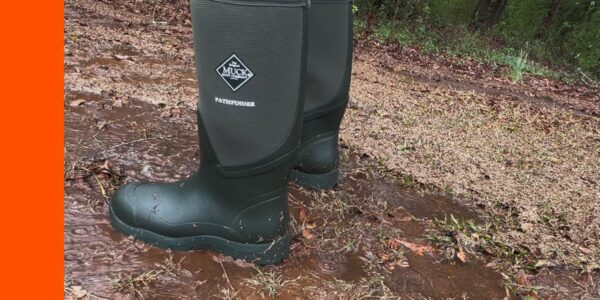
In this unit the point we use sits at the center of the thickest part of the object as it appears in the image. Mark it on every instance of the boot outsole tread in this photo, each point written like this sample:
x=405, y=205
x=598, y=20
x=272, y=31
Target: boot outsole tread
x=260, y=254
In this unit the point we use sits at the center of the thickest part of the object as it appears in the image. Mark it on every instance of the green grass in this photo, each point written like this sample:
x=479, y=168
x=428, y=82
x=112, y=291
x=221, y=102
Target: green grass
x=461, y=44
x=454, y=233
x=268, y=283
x=518, y=66
x=134, y=284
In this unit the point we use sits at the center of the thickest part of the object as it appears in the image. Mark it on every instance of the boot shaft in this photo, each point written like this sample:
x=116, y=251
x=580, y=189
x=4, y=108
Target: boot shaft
x=250, y=62
x=329, y=55
x=327, y=90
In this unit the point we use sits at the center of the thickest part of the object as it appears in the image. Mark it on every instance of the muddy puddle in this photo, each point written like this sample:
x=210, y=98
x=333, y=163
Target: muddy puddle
x=340, y=249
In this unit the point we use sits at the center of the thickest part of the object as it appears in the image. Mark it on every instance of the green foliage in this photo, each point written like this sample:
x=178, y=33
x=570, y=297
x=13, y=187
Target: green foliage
x=522, y=20
x=566, y=41
x=517, y=66
x=585, y=41
x=451, y=12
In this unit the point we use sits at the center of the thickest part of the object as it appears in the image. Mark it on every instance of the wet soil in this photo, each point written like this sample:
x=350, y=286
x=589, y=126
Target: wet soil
x=511, y=94
x=130, y=95
x=107, y=145
x=469, y=75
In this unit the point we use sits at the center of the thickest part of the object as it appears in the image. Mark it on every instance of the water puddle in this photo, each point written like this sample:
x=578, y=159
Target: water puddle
x=108, y=143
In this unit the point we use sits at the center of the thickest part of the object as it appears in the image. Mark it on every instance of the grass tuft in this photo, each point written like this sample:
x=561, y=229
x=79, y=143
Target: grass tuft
x=518, y=66
x=268, y=283
x=134, y=284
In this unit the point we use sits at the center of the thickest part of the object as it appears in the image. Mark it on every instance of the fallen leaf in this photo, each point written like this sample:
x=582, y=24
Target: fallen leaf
x=542, y=263
x=78, y=291
x=186, y=273
x=402, y=264
x=416, y=248
x=489, y=250
x=121, y=57
x=302, y=216
x=307, y=235
x=384, y=256
x=394, y=244
x=527, y=226
x=522, y=279
x=461, y=254
x=585, y=250
x=77, y=102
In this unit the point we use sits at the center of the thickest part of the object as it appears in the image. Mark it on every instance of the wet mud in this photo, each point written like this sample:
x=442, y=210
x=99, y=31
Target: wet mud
x=108, y=143
x=130, y=89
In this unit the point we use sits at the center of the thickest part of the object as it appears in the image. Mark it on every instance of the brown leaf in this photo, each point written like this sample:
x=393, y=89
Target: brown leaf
x=307, y=235
x=489, y=250
x=78, y=292
x=394, y=244
x=402, y=264
x=416, y=248
x=77, y=102
x=384, y=256
x=461, y=254
x=542, y=263
x=522, y=279
x=302, y=216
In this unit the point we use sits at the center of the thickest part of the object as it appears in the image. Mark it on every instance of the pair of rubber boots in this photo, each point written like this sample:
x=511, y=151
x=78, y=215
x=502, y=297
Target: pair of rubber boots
x=274, y=78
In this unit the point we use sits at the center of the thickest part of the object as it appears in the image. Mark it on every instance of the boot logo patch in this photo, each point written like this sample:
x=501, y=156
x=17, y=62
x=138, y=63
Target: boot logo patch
x=234, y=72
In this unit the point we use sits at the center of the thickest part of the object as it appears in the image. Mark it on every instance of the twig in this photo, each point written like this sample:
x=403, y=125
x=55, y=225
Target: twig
x=101, y=187
x=579, y=284
x=226, y=276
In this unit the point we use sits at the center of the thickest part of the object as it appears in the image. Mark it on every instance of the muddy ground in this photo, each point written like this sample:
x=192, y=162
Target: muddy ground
x=457, y=183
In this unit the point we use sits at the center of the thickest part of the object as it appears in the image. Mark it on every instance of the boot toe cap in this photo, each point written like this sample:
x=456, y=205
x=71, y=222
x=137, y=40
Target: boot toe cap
x=123, y=204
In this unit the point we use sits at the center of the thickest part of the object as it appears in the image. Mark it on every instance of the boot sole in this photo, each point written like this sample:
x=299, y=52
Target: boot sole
x=315, y=181
x=261, y=254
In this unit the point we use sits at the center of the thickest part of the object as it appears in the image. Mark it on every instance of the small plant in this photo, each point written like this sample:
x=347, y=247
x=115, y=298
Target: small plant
x=518, y=66
x=170, y=266
x=228, y=294
x=268, y=283
x=134, y=284
x=453, y=233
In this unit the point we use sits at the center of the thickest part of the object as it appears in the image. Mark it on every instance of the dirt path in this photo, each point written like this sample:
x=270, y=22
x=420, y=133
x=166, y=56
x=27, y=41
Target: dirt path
x=385, y=231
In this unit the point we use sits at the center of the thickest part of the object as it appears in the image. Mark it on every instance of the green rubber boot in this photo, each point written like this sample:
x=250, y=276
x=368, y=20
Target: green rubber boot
x=250, y=62
x=329, y=60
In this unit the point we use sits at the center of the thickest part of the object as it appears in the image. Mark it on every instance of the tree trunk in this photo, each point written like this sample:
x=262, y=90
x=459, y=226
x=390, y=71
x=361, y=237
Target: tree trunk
x=497, y=12
x=480, y=11
x=488, y=13
x=549, y=18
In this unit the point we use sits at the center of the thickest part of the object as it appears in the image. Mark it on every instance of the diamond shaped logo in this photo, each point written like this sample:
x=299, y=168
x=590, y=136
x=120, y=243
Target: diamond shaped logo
x=234, y=72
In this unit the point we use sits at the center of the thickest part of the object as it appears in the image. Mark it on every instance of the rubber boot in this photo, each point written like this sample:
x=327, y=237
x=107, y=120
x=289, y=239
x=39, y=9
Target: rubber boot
x=327, y=91
x=250, y=62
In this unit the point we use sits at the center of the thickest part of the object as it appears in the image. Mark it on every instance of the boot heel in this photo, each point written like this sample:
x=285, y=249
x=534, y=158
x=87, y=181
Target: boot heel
x=315, y=181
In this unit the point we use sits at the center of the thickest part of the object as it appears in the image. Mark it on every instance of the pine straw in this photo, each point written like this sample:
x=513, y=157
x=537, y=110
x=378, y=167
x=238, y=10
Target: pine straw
x=533, y=169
